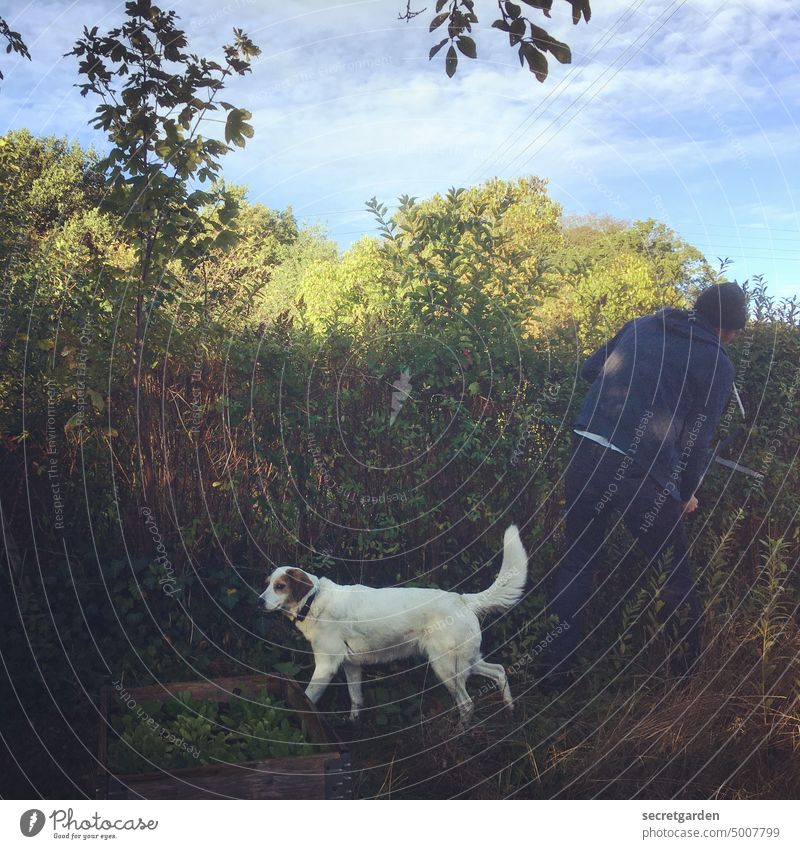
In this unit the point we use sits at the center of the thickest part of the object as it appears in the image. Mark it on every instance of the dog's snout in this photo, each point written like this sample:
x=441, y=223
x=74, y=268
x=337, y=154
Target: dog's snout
x=267, y=603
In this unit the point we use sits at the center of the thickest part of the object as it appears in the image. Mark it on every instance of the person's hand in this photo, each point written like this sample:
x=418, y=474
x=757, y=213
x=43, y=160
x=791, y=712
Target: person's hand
x=690, y=506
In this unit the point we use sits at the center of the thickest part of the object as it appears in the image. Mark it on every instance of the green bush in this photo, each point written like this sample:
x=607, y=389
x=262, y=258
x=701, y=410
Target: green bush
x=188, y=732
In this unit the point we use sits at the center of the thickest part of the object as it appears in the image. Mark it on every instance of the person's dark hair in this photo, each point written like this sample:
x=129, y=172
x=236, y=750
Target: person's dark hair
x=724, y=305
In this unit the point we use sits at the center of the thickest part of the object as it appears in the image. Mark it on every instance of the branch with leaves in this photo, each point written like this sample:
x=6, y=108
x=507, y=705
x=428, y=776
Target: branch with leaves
x=533, y=40
x=15, y=42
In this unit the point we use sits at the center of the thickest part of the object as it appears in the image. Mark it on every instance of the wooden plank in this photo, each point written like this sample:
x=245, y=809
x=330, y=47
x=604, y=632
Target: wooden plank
x=212, y=689
x=303, y=777
x=222, y=689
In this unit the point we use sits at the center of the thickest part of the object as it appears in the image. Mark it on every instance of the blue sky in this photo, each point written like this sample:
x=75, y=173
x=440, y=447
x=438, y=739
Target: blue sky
x=681, y=110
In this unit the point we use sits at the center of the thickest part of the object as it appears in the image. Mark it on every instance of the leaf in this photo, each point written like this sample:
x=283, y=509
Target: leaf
x=438, y=21
x=437, y=47
x=236, y=127
x=226, y=239
x=537, y=61
x=543, y=40
x=97, y=399
x=580, y=7
x=451, y=62
x=512, y=10
x=467, y=46
x=516, y=31
x=73, y=422
x=561, y=51
x=163, y=149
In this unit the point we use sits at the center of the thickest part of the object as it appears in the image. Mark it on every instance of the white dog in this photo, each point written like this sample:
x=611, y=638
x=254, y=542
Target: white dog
x=355, y=626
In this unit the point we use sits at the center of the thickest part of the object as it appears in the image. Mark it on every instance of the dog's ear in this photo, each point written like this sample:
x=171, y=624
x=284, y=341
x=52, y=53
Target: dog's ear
x=299, y=583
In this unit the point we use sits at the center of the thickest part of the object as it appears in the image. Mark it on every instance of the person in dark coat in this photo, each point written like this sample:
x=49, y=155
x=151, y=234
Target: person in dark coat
x=642, y=443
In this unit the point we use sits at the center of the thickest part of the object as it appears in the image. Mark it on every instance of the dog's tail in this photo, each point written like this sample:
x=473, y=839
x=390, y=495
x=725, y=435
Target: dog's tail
x=507, y=589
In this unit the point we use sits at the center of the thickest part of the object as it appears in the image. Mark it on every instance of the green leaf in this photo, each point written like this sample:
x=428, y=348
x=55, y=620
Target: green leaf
x=97, y=399
x=226, y=239
x=236, y=127
x=437, y=47
x=544, y=41
x=562, y=52
x=537, y=62
x=438, y=21
x=164, y=149
x=73, y=421
x=467, y=46
x=580, y=7
x=451, y=62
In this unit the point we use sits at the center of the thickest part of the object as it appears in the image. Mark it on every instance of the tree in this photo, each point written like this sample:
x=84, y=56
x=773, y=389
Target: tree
x=497, y=237
x=612, y=270
x=465, y=271
x=344, y=291
x=154, y=96
x=531, y=40
x=671, y=260
x=238, y=281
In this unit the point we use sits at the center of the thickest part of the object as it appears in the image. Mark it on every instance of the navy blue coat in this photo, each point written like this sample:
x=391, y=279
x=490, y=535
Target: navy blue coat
x=659, y=388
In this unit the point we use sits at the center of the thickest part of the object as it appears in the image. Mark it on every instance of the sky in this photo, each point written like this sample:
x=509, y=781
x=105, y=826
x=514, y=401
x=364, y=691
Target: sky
x=680, y=110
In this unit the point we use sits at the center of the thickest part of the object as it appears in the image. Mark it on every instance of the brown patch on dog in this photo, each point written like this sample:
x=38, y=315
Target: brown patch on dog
x=299, y=583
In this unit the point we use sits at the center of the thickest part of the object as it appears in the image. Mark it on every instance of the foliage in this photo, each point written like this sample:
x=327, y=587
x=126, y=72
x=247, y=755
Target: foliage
x=533, y=41
x=241, y=281
x=671, y=261
x=188, y=732
x=476, y=254
x=15, y=42
x=610, y=271
x=613, y=291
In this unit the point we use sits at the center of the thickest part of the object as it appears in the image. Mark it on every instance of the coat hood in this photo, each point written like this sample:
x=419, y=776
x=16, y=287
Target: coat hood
x=688, y=324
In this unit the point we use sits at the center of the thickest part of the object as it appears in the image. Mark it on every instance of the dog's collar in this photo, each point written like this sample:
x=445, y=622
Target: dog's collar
x=306, y=606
